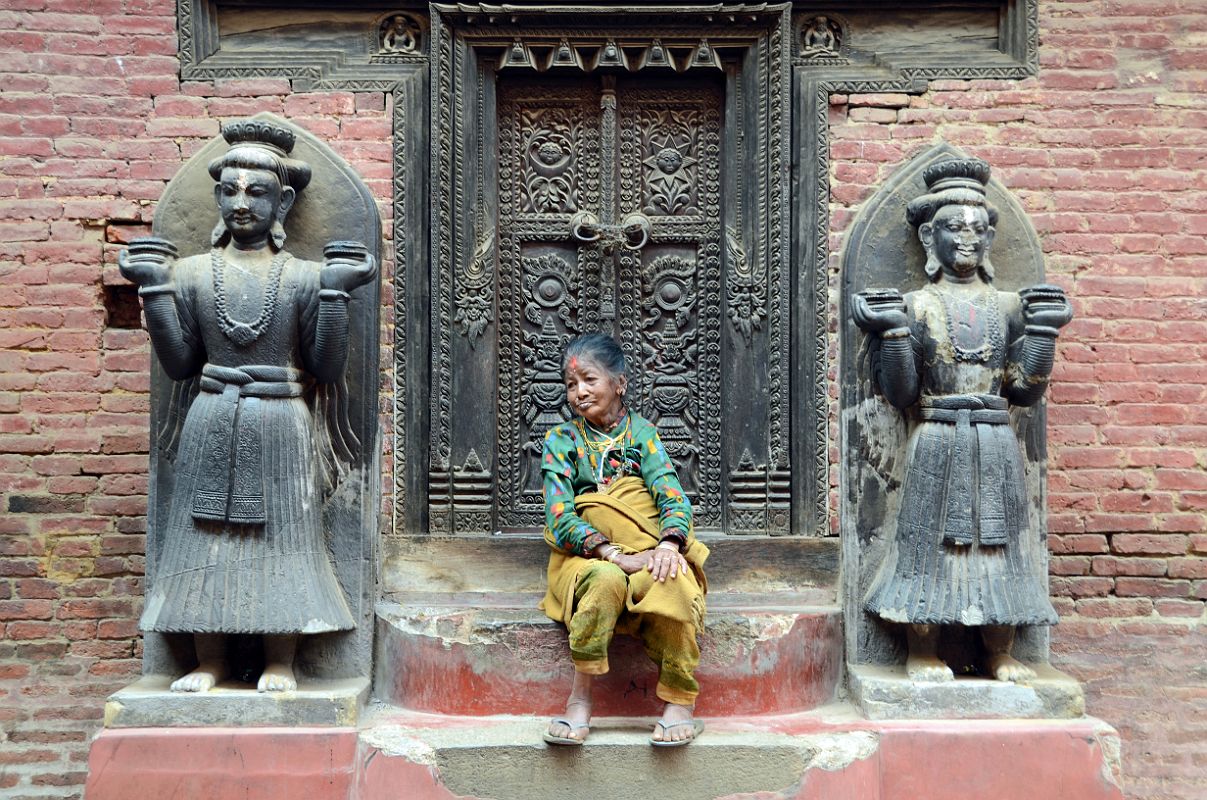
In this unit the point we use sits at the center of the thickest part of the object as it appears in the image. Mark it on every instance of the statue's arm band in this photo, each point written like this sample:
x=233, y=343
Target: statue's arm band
x=1037, y=357
x=330, y=336
x=896, y=333
x=898, y=371
x=1041, y=330
x=152, y=291
x=1033, y=366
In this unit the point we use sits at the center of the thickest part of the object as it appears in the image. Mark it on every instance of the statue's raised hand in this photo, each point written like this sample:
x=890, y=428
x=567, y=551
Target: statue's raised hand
x=1045, y=305
x=879, y=310
x=147, y=261
x=347, y=266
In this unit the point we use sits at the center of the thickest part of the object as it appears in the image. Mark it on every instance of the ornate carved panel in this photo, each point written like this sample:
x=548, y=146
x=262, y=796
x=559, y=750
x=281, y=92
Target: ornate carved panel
x=670, y=310
x=549, y=169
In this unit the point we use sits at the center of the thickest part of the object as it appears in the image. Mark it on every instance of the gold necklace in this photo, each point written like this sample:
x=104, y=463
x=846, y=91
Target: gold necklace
x=601, y=447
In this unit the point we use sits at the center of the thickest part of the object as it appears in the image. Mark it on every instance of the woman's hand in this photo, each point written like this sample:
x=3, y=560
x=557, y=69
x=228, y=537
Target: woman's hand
x=661, y=562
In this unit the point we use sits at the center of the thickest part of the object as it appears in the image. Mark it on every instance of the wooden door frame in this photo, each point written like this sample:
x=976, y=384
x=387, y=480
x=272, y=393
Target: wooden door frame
x=465, y=50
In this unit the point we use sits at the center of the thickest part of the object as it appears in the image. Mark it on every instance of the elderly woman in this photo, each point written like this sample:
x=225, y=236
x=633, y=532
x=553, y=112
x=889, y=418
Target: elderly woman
x=624, y=558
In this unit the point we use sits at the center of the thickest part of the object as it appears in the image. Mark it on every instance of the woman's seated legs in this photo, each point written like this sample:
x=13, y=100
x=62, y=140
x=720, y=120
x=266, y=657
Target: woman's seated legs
x=599, y=598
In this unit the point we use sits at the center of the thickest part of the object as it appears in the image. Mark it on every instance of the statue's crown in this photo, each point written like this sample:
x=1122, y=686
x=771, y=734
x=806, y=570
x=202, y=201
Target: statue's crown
x=259, y=134
x=963, y=173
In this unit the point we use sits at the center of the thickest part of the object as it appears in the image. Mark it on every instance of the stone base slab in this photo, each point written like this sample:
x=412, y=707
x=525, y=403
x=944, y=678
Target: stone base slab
x=830, y=754
x=883, y=693
x=148, y=703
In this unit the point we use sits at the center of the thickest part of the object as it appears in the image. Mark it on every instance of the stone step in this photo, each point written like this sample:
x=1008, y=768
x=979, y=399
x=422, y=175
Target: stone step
x=828, y=754
x=483, y=655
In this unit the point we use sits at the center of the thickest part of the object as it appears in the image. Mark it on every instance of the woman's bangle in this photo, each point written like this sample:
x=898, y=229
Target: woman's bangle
x=610, y=554
x=670, y=545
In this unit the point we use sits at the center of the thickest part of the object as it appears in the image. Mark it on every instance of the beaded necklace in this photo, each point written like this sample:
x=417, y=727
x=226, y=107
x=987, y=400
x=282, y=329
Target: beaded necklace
x=603, y=445
x=243, y=333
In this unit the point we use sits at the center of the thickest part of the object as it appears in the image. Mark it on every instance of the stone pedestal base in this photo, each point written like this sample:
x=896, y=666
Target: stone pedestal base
x=148, y=703
x=886, y=693
x=833, y=755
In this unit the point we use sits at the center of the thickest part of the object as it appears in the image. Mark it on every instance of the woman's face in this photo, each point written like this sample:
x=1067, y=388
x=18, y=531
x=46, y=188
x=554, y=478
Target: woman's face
x=593, y=393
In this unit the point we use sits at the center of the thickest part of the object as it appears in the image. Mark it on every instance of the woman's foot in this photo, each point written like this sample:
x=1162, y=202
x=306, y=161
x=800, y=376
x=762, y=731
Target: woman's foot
x=573, y=726
x=1005, y=667
x=677, y=726
x=922, y=662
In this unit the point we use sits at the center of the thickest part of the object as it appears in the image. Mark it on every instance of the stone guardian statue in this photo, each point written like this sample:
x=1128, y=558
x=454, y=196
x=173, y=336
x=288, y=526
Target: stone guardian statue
x=953, y=357
x=243, y=545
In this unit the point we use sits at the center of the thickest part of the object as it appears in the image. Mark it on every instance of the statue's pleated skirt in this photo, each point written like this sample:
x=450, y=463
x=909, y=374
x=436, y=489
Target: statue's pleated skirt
x=219, y=577
x=965, y=486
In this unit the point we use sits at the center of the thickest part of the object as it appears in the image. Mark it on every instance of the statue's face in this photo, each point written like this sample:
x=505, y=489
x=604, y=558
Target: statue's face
x=249, y=201
x=960, y=237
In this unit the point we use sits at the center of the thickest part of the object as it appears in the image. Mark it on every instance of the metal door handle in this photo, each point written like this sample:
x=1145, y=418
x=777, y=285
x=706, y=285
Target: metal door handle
x=633, y=233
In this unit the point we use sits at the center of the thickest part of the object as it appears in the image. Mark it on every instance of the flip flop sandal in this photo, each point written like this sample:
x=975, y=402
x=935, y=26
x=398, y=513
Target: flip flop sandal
x=567, y=740
x=697, y=726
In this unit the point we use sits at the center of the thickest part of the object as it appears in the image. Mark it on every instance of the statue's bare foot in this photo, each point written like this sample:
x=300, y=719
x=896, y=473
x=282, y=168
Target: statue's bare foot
x=927, y=669
x=1005, y=667
x=201, y=679
x=277, y=678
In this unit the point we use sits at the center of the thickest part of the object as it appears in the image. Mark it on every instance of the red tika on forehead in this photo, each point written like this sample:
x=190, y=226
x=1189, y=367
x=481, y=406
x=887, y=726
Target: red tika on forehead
x=573, y=362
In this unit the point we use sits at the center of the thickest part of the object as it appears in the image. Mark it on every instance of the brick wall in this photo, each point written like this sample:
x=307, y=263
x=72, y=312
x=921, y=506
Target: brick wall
x=1107, y=150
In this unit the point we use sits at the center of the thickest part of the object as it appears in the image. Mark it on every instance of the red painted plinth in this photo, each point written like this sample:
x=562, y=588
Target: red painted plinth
x=222, y=764
x=526, y=669
x=985, y=760
x=935, y=760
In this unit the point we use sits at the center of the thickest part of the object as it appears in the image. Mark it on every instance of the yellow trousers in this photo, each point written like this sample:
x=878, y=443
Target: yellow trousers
x=600, y=596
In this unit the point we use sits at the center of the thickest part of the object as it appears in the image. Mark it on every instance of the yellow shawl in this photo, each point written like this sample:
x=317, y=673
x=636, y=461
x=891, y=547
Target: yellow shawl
x=627, y=514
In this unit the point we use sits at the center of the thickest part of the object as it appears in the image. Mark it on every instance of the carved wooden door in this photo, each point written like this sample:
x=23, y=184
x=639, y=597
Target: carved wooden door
x=610, y=220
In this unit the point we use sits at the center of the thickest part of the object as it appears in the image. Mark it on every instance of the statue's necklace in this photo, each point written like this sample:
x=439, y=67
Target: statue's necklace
x=992, y=341
x=244, y=333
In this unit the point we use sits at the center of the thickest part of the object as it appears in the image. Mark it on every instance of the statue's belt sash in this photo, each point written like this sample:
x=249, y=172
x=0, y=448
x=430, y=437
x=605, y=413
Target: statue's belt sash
x=965, y=411
x=986, y=409
x=230, y=484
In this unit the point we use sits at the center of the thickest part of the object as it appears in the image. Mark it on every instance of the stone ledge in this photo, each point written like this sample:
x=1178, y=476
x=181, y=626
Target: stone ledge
x=884, y=693
x=148, y=703
x=509, y=658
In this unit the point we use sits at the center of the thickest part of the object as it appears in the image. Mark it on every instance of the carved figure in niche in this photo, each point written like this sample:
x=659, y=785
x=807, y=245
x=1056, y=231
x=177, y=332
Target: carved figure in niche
x=820, y=38
x=399, y=34
x=955, y=356
x=244, y=550
x=624, y=555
